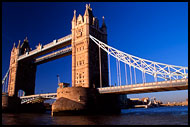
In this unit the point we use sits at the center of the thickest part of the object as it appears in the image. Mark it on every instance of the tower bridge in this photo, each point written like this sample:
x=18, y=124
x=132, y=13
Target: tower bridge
x=90, y=66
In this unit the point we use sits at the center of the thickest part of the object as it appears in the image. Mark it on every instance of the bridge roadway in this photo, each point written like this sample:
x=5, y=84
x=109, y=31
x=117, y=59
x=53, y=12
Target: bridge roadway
x=171, y=85
x=52, y=46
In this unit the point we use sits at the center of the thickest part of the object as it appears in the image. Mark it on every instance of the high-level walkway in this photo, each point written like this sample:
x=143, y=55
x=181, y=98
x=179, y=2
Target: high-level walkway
x=52, y=46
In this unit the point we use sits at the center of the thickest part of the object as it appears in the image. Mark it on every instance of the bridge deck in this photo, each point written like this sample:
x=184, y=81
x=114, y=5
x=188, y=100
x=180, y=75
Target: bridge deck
x=181, y=84
x=147, y=87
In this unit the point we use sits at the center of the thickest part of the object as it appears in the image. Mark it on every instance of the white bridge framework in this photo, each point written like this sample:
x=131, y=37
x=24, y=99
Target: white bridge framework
x=158, y=70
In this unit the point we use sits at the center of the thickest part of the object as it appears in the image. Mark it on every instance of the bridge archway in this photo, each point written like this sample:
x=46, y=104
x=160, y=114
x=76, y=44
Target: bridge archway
x=46, y=75
x=20, y=93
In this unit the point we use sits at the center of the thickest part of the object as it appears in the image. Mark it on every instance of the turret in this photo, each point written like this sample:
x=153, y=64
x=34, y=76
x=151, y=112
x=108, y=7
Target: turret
x=104, y=28
x=86, y=15
x=74, y=21
x=18, y=44
x=79, y=19
x=95, y=22
x=25, y=47
x=13, y=47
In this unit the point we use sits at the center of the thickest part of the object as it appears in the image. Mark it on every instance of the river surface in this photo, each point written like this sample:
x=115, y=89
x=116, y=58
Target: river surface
x=177, y=115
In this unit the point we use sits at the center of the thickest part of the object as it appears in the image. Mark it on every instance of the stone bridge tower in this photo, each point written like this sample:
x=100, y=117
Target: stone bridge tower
x=22, y=73
x=85, y=53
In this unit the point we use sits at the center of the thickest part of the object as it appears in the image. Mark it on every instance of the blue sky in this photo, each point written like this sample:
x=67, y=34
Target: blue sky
x=155, y=31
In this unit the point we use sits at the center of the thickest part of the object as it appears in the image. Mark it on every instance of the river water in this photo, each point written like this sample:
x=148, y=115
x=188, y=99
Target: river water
x=177, y=115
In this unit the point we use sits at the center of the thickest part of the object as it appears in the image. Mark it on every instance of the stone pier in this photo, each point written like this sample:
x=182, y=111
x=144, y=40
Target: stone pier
x=80, y=100
x=10, y=104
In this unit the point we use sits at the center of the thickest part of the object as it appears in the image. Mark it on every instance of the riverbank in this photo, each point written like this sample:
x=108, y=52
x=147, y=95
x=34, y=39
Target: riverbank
x=175, y=104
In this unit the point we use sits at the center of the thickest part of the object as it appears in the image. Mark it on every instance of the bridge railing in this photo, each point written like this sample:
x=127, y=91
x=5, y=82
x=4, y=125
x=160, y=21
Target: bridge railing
x=142, y=85
x=65, y=50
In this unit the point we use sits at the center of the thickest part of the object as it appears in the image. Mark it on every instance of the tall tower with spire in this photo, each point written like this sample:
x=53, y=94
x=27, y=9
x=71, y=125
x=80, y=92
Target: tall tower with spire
x=85, y=53
x=22, y=73
x=13, y=69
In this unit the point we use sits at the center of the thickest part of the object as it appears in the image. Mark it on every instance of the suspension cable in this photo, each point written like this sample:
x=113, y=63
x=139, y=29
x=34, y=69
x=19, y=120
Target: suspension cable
x=100, y=67
x=144, y=76
x=109, y=69
x=155, y=74
x=5, y=76
x=142, y=72
x=117, y=72
x=3, y=88
x=135, y=75
x=6, y=84
x=169, y=72
x=160, y=72
x=185, y=73
x=126, y=74
x=131, y=74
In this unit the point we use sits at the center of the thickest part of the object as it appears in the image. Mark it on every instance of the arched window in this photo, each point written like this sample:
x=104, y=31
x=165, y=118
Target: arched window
x=20, y=93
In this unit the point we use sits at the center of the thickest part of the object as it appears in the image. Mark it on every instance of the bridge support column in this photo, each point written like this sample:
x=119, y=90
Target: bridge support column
x=80, y=100
x=10, y=103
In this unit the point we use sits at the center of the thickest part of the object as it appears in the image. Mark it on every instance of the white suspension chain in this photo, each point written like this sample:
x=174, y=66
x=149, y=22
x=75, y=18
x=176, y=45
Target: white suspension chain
x=126, y=75
x=117, y=72
x=109, y=69
x=135, y=76
x=100, y=67
x=130, y=74
x=6, y=75
x=151, y=68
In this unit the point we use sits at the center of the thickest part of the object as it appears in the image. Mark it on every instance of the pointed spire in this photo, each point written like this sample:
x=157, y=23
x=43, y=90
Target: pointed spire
x=18, y=44
x=86, y=11
x=74, y=20
x=89, y=7
x=14, y=45
x=74, y=17
x=26, y=39
x=103, y=22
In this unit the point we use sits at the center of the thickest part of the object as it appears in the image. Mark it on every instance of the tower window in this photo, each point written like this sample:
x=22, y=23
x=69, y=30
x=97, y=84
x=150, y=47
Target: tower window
x=79, y=75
